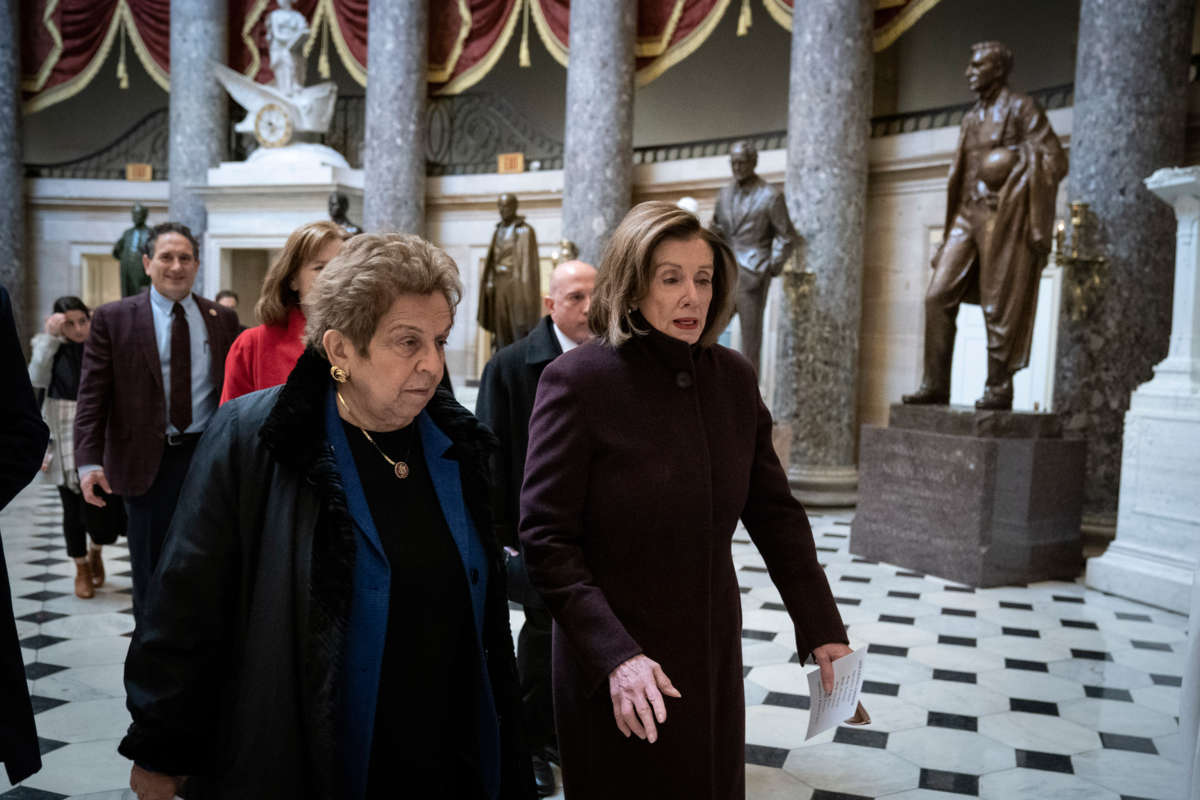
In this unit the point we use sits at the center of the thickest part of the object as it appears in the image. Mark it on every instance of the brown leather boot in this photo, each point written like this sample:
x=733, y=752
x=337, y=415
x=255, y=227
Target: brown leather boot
x=97, y=566
x=83, y=579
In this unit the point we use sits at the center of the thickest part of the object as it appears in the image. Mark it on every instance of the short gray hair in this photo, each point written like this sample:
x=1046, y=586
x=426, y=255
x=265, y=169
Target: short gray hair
x=362, y=282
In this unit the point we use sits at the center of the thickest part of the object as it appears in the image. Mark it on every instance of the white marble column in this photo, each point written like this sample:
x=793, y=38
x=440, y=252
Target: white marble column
x=12, y=206
x=598, y=147
x=199, y=109
x=394, y=153
x=1157, y=548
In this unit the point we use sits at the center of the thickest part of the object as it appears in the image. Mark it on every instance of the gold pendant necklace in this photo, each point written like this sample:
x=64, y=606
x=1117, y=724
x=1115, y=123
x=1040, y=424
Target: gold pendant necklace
x=399, y=467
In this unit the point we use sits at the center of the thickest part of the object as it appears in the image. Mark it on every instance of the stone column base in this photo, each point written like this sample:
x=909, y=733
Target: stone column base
x=1142, y=575
x=825, y=487
x=982, y=498
x=1158, y=522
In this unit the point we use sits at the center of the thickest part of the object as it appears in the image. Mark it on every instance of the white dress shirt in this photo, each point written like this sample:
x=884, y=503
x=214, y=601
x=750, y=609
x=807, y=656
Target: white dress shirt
x=563, y=341
x=204, y=394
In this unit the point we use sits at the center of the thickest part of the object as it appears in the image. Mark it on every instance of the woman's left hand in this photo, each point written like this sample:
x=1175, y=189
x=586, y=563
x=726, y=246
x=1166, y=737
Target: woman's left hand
x=825, y=655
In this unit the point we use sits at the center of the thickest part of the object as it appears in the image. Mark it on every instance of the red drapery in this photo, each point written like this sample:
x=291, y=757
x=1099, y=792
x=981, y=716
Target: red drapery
x=668, y=30
x=892, y=17
x=65, y=42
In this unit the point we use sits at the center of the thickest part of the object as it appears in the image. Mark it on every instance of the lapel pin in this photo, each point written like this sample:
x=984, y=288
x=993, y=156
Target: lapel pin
x=212, y=312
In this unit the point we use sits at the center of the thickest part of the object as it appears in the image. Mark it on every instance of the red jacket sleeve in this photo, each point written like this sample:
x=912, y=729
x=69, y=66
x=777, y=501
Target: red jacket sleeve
x=239, y=367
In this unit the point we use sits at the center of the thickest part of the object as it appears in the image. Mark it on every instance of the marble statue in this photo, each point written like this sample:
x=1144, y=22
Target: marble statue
x=128, y=250
x=752, y=217
x=510, y=292
x=338, y=203
x=999, y=228
x=284, y=107
x=287, y=31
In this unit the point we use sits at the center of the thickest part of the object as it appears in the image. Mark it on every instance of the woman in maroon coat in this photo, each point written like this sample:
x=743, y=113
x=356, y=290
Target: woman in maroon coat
x=645, y=449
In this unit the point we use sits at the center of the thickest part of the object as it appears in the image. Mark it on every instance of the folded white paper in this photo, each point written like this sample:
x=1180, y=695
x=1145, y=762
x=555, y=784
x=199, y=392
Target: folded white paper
x=829, y=710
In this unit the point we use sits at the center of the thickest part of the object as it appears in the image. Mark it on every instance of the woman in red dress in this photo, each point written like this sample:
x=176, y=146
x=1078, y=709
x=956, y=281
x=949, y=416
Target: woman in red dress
x=263, y=356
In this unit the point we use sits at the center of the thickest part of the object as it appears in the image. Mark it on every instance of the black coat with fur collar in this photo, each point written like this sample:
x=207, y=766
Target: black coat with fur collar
x=232, y=677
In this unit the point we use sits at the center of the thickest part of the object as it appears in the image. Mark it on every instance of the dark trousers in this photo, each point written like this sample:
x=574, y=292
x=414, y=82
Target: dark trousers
x=749, y=302
x=81, y=519
x=150, y=516
x=533, y=668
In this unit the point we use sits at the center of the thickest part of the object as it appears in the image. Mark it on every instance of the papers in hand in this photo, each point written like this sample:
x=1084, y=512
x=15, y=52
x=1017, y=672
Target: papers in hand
x=840, y=706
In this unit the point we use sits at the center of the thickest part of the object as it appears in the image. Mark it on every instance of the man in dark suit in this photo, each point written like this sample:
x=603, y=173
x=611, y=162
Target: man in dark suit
x=152, y=373
x=752, y=217
x=506, y=393
x=23, y=437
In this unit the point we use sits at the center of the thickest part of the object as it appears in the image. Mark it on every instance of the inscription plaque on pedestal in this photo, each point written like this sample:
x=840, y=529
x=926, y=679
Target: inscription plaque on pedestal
x=981, y=498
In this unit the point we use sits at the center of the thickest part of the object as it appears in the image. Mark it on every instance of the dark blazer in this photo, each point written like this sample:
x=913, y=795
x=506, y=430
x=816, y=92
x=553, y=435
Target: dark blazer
x=641, y=461
x=506, y=393
x=759, y=232
x=23, y=437
x=252, y=665
x=121, y=416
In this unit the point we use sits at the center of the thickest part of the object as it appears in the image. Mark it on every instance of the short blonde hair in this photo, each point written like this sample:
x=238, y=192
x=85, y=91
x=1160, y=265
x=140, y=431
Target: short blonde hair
x=303, y=245
x=358, y=287
x=626, y=271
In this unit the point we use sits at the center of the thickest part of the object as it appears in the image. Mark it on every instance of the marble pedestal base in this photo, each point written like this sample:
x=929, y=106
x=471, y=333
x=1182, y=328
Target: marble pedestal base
x=1157, y=548
x=982, y=498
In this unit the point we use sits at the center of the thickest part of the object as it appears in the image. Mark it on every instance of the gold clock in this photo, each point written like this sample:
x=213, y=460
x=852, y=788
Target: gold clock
x=272, y=126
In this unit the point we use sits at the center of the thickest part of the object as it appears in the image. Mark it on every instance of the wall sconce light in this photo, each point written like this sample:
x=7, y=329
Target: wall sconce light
x=1086, y=269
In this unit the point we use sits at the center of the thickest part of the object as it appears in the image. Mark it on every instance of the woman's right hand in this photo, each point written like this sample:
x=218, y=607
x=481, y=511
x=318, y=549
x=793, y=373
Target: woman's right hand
x=636, y=687
x=54, y=323
x=153, y=785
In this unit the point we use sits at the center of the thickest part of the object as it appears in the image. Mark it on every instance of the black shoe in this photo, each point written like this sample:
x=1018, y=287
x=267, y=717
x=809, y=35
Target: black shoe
x=926, y=396
x=543, y=777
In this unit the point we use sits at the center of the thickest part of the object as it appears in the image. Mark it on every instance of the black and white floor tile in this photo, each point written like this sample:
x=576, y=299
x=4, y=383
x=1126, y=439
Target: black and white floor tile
x=1042, y=691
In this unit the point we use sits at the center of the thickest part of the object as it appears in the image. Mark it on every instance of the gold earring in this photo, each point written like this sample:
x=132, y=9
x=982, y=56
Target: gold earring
x=338, y=374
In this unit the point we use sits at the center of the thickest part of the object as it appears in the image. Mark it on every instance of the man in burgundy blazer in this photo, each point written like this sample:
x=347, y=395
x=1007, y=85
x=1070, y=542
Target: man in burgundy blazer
x=152, y=373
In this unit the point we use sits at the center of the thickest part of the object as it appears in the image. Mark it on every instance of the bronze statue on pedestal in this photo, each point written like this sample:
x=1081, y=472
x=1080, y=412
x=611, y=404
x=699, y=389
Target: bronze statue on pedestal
x=510, y=291
x=999, y=228
x=128, y=250
x=752, y=217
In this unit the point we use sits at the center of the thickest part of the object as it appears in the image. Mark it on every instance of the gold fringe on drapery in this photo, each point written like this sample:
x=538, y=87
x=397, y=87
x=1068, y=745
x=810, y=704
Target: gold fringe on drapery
x=523, y=58
x=745, y=19
x=122, y=73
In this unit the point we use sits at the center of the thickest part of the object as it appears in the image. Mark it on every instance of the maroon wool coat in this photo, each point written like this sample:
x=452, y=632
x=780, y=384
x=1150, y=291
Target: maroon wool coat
x=641, y=461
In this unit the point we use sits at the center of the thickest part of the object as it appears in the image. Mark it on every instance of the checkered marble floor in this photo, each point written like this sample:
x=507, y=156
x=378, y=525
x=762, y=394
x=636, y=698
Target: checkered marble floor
x=1042, y=691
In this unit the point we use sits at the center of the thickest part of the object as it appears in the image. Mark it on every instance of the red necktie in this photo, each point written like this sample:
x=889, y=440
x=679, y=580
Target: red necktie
x=181, y=370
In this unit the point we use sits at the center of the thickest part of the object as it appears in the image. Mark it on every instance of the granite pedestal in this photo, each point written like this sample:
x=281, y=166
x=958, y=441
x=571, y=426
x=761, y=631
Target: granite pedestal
x=981, y=498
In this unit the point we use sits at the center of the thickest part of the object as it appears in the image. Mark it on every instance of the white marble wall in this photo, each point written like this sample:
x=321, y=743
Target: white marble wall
x=67, y=221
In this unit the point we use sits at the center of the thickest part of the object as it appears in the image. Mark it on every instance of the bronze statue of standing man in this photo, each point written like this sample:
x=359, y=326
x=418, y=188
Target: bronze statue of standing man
x=128, y=250
x=999, y=226
x=510, y=292
x=752, y=217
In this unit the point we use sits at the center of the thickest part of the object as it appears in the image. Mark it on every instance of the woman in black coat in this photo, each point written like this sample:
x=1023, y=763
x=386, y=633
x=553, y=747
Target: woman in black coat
x=328, y=619
x=645, y=449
